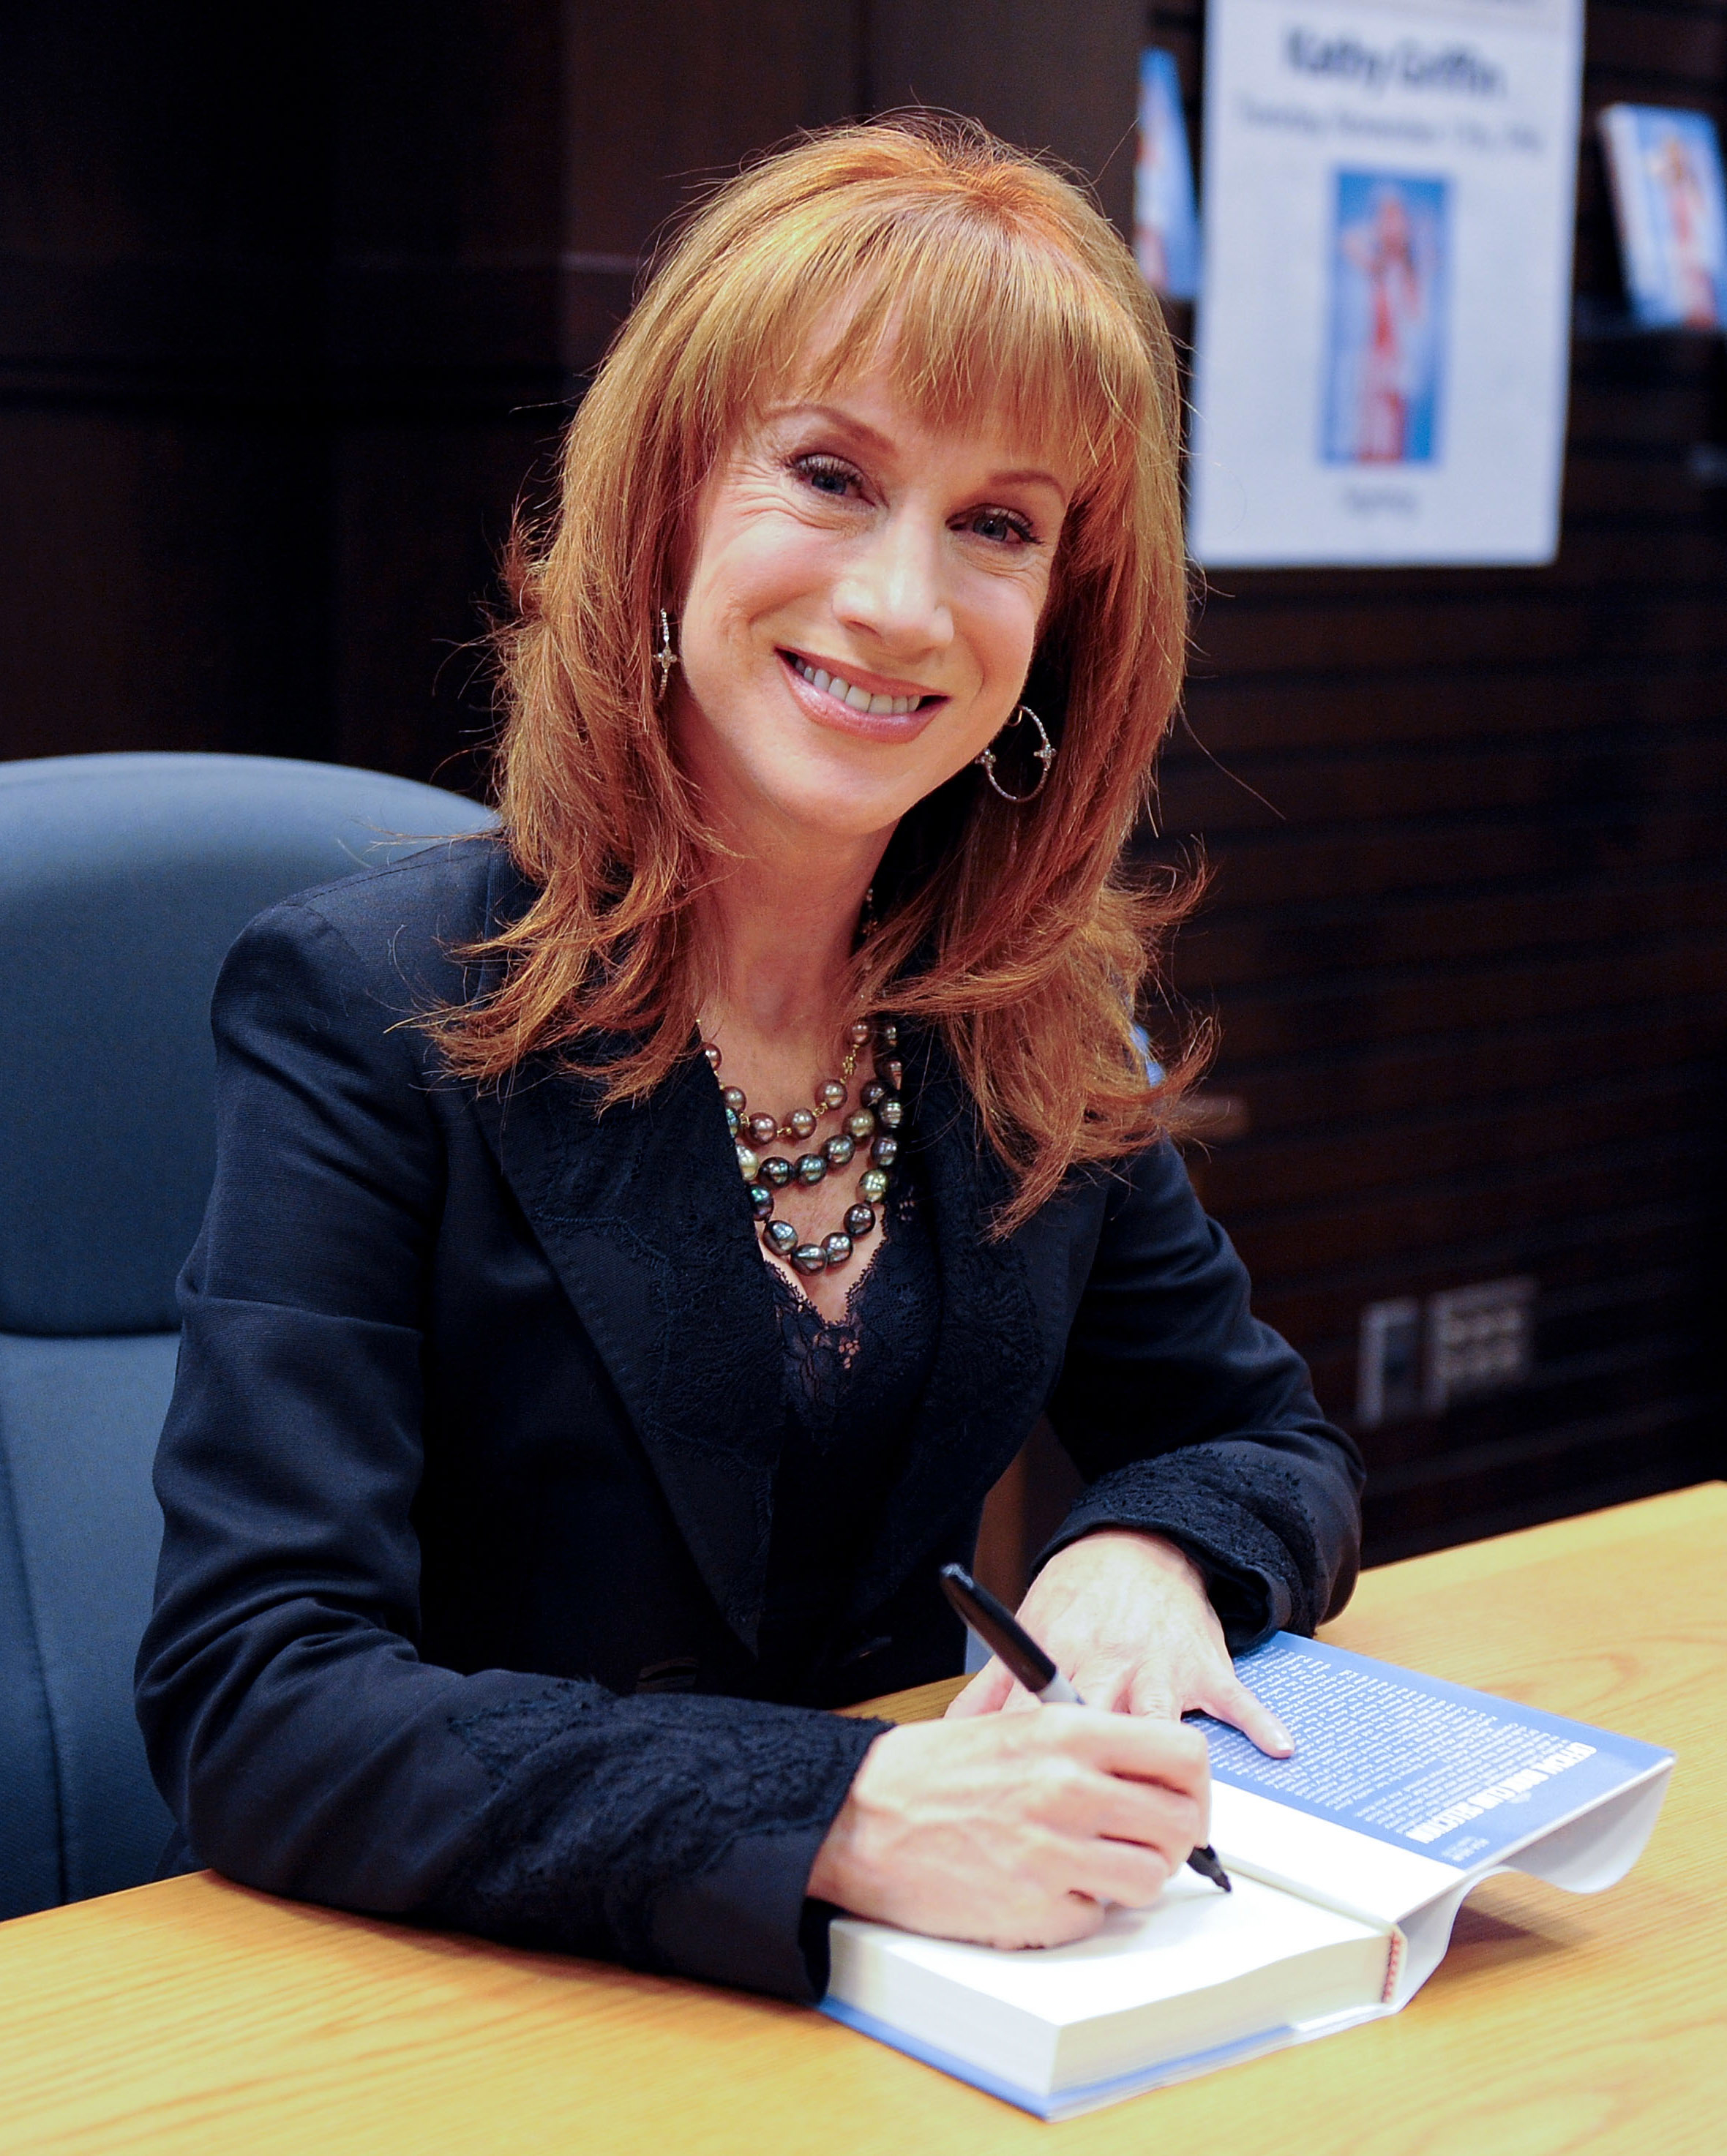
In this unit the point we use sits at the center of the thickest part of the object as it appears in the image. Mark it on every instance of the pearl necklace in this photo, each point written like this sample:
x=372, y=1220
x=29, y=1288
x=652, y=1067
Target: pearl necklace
x=872, y=1128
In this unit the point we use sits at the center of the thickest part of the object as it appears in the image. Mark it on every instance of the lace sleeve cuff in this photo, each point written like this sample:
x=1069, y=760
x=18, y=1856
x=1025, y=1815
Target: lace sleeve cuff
x=674, y=1833
x=1244, y=1527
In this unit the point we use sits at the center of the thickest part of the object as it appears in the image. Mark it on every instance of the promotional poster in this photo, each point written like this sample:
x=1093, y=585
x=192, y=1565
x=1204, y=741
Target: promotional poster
x=1384, y=328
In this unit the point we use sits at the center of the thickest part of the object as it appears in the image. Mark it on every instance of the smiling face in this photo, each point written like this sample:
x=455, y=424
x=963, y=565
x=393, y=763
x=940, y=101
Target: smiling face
x=863, y=600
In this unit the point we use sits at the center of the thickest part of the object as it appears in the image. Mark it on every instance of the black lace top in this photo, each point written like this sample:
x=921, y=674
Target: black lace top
x=850, y=1387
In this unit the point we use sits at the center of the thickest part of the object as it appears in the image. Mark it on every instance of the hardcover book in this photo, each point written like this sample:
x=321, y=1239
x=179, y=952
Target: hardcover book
x=1349, y=1862
x=1166, y=231
x=1668, y=203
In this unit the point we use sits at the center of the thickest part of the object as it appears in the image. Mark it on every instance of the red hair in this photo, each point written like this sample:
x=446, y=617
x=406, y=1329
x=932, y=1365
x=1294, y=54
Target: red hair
x=987, y=282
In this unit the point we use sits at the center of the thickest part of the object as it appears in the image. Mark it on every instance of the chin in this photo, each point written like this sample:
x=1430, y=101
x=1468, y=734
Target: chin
x=840, y=797
x=843, y=816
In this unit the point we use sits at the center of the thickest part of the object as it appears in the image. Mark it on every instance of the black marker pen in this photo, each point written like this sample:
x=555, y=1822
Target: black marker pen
x=1019, y=1654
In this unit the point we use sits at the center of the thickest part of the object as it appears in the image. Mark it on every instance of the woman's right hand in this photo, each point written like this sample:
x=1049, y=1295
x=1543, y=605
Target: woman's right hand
x=1017, y=1829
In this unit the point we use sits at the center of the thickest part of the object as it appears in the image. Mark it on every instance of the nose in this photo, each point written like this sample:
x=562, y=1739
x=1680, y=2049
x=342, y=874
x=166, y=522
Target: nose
x=893, y=588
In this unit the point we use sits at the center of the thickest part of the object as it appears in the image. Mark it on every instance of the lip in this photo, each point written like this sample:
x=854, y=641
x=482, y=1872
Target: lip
x=829, y=710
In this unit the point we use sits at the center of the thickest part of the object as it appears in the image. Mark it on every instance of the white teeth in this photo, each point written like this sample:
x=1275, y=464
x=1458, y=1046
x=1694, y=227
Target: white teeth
x=859, y=699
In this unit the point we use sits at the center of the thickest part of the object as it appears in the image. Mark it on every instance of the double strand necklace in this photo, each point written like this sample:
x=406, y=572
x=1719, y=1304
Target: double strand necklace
x=871, y=1133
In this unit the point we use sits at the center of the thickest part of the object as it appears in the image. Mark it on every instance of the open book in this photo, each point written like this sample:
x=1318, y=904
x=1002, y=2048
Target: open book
x=1350, y=1861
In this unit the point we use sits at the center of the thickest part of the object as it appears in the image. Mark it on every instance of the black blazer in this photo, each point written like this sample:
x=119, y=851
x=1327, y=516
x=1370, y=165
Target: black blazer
x=468, y=1475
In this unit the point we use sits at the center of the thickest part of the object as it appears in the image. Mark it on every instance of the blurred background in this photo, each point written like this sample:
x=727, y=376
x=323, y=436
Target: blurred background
x=292, y=307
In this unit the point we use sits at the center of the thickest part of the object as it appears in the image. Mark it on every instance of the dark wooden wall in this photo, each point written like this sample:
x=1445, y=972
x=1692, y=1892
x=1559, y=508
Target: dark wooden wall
x=292, y=308
x=1467, y=936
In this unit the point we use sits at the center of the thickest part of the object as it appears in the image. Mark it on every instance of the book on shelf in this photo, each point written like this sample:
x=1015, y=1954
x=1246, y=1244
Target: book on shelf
x=1670, y=208
x=1349, y=1862
x=1166, y=231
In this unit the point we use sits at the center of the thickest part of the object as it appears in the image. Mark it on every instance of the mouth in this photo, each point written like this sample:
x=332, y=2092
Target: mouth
x=858, y=703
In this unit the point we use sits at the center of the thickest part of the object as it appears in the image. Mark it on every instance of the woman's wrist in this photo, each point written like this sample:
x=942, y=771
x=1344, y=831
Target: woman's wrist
x=1169, y=1557
x=828, y=1877
x=843, y=1872
x=830, y=1874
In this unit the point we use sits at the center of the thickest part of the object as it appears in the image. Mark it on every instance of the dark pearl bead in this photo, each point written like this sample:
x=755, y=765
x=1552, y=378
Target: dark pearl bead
x=884, y=1153
x=838, y=1246
x=892, y=1073
x=891, y=1115
x=859, y=1220
x=777, y=1170
x=811, y=1167
x=872, y=1185
x=832, y=1094
x=810, y=1258
x=859, y=1033
x=748, y=1165
x=874, y=1094
x=761, y=1199
x=712, y=1054
x=802, y=1123
x=887, y=1033
x=732, y=1121
x=861, y=1124
x=783, y=1236
x=763, y=1130
x=735, y=1099
x=839, y=1148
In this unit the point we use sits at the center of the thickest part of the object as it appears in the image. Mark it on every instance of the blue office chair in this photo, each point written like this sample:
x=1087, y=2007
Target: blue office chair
x=123, y=880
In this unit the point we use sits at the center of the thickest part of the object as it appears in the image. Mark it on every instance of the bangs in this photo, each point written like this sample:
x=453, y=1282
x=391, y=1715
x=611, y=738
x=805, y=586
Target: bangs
x=979, y=311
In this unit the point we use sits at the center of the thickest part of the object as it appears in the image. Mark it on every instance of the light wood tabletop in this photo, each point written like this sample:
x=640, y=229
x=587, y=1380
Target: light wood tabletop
x=196, y=2015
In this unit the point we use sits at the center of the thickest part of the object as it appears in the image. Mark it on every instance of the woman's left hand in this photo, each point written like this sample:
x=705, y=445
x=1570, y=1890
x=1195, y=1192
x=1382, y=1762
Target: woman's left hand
x=1128, y=1620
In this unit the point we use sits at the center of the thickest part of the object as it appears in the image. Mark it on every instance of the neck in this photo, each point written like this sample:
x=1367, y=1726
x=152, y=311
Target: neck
x=780, y=932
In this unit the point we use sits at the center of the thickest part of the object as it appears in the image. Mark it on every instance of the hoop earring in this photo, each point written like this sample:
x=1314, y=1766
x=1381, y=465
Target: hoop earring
x=665, y=656
x=1045, y=753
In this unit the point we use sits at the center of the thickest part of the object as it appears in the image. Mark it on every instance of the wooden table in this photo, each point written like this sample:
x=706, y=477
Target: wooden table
x=196, y=2017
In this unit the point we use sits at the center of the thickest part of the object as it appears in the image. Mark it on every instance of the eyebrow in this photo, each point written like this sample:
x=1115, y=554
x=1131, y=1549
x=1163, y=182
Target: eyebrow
x=1029, y=477
x=1026, y=475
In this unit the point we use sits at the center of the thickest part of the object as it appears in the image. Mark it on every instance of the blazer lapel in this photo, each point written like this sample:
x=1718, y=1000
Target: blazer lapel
x=660, y=1262
x=662, y=1267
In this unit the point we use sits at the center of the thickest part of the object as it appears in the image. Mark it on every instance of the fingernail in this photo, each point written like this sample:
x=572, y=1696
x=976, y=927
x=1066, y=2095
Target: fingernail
x=1280, y=1736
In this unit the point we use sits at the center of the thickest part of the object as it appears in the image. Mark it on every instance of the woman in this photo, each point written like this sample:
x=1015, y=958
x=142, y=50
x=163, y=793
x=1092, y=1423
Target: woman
x=526, y=1508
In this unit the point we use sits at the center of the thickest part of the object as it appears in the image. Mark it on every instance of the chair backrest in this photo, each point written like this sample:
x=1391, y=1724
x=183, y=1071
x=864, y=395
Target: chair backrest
x=123, y=880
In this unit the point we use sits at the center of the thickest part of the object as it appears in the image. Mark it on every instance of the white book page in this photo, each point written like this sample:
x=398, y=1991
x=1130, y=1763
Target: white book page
x=1192, y=1937
x=1010, y=2012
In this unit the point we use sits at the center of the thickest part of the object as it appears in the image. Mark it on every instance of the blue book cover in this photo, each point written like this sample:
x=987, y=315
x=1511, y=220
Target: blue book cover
x=1432, y=1768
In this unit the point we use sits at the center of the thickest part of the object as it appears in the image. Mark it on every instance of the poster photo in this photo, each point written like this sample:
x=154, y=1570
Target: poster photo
x=1665, y=166
x=1387, y=322
x=1383, y=335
